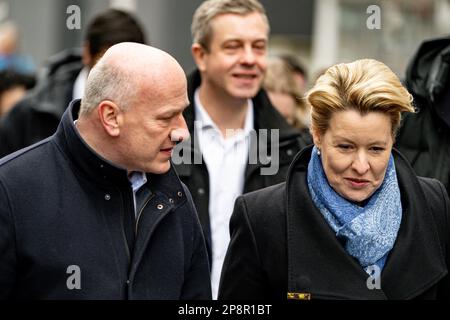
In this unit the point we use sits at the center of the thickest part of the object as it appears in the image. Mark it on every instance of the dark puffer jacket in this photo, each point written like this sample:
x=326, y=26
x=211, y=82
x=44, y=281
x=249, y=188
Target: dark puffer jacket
x=37, y=116
x=424, y=137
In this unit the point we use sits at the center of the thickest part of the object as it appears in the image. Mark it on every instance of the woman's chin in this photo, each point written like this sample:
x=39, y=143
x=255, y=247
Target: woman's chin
x=357, y=196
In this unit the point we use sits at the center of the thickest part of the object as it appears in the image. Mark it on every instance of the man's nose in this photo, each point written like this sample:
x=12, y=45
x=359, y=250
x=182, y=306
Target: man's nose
x=180, y=132
x=248, y=56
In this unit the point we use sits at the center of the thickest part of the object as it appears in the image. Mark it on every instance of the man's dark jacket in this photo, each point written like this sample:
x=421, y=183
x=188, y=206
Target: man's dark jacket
x=37, y=116
x=281, y=243
x=62, y=205
x=195, y=176
x=424, y=137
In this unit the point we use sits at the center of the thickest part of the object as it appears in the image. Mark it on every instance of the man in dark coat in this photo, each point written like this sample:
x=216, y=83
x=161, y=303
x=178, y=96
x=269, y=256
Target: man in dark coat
x=424, y=137
x=36, y=117
x=234, y=149
x=96, y=211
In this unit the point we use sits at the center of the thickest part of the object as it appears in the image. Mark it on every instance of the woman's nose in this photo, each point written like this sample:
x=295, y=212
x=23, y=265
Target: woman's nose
x=361, y=164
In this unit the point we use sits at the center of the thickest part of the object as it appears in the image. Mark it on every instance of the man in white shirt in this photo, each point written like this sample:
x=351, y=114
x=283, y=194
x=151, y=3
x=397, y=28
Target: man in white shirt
x=229, y=47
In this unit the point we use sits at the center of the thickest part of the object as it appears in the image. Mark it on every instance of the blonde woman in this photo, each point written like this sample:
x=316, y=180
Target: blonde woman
x=352, y=221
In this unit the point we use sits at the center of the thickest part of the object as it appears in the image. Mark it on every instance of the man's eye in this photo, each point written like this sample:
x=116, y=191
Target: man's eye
x=260, y=47
x=232, y=46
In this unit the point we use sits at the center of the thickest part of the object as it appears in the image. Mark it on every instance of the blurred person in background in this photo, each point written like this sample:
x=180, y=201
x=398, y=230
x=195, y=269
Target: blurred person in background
x=285, y=95
x=38, y=114
x=424, y=136
x=13, y=87
x=352, y=221
x=298, y=71
x=10, y=58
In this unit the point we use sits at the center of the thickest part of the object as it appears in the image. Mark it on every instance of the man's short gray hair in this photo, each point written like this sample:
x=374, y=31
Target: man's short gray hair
x=201, y=24
x=108, y=82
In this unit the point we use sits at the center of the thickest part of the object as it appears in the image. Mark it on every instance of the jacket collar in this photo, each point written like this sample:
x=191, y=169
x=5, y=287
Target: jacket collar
x=415, y=263
x=93, y=167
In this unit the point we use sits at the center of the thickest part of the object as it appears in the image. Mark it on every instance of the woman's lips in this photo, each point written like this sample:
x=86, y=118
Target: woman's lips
x=357, y=183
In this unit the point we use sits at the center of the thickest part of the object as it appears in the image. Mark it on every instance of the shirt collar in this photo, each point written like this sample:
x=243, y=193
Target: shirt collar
x=204, y=121
x=202, y=118
x=137, y=180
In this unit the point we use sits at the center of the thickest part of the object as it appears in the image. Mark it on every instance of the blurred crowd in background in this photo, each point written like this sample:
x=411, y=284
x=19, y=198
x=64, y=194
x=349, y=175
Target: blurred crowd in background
x=306, y=37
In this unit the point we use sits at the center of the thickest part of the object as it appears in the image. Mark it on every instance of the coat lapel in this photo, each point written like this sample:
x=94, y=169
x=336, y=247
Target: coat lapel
x=149, y=220
x=416, y=262
x=168, y=195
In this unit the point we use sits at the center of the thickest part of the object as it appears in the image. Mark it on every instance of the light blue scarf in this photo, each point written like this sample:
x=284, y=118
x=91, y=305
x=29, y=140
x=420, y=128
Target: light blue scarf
x=369, y=232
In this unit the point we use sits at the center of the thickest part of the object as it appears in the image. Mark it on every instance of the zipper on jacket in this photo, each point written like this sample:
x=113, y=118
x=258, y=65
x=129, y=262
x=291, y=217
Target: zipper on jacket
x=140, y=212
x=124, y=237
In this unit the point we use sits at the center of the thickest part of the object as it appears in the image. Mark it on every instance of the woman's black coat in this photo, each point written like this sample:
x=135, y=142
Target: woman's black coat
x=280, y=244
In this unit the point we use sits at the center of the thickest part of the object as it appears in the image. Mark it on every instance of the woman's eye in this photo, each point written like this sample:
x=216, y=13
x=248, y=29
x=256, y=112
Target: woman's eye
x=344, y=146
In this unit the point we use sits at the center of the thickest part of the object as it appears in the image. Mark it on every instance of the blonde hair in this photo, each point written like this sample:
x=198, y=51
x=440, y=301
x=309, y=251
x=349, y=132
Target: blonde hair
x=364, y=85
x=201, y=24
x=280, y=78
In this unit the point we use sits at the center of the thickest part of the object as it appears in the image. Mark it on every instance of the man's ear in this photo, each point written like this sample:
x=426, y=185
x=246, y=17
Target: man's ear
x=199, y=53
x=111, y=117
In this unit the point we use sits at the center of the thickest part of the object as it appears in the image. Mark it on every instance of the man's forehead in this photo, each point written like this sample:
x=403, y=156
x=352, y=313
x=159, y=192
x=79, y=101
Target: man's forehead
x=169, y=109
x=228, y=25
x=173, y=102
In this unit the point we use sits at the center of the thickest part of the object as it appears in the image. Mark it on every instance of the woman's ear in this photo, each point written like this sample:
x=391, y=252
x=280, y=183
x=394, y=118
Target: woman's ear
x=317, y=137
